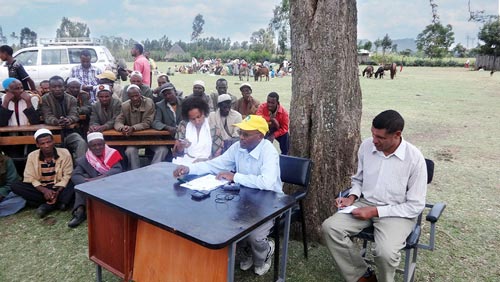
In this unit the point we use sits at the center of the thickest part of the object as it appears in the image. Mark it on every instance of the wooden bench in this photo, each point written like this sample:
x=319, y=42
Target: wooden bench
x=30, y=130
x=24, y=140
x=138, y=138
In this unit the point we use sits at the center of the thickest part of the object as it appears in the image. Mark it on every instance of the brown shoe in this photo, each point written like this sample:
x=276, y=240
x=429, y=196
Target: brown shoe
x=369, y=276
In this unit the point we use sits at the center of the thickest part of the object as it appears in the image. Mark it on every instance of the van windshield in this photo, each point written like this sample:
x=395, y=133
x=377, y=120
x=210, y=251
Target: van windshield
x=74, y=55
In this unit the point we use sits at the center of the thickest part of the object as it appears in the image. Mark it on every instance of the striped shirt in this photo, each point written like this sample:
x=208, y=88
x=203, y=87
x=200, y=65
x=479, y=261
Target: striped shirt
x=48, y=170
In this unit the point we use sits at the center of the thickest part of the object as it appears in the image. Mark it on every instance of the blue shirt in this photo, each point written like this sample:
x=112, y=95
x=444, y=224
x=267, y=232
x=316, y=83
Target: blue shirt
x=259, y=168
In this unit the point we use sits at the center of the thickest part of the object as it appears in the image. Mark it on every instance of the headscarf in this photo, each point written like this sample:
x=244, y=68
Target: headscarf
x=6, y=83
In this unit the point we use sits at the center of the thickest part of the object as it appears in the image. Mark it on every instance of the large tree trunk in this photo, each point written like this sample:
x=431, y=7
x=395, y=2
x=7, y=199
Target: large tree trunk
x=325, y=110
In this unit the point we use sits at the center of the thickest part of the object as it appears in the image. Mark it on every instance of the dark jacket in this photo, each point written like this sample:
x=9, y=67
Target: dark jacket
x=84, y=170
x=164, y=116
x=52, y=109
x=107, y=118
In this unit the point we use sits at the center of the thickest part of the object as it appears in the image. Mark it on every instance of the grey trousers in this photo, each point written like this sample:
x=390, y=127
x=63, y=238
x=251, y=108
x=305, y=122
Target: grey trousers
x=390, y=237
x=132, y=153
x=258, y=242
x=161, y=153
x=11, y=204
x=75, y=144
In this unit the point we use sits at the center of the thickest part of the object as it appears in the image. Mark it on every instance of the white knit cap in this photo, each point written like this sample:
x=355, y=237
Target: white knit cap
x=133, y=86
x=42, y=131
x=72, y=79
x=136, y=73
x=199, y=82
x=94, y=136
x=223, y=98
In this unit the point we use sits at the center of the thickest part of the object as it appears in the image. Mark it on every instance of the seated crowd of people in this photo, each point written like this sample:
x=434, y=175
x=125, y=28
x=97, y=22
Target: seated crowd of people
x=201, y=127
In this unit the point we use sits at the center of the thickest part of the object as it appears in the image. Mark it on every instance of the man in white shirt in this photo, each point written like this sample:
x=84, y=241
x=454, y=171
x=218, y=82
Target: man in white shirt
x=389, y=192
x=252, y=162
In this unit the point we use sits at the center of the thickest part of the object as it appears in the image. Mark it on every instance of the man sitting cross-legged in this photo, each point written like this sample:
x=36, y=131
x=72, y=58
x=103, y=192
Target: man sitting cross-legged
x=99, y=161
x=47, y=176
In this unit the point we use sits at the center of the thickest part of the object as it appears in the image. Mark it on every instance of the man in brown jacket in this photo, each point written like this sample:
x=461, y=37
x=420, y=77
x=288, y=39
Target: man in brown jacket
x=60, y=108
x=137, y=114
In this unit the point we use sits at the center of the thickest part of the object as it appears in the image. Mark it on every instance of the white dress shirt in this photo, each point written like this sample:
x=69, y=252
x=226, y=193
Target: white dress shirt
x=259, y=168
x=396, y=183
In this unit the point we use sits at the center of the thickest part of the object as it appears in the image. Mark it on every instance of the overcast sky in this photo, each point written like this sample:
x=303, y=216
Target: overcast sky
x=236, y=19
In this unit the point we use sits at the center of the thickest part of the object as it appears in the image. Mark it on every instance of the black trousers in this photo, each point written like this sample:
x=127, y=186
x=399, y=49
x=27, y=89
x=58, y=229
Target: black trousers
x=80, y=200
x=283, y=140
x=35, y=197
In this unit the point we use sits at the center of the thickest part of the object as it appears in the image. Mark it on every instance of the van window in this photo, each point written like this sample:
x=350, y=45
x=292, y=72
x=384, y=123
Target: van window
x=54, y=57
x=74, y=55
x=27, y=58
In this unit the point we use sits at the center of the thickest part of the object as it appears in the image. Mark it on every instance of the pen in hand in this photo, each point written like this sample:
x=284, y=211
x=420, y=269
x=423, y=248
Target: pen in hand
x=339, y=201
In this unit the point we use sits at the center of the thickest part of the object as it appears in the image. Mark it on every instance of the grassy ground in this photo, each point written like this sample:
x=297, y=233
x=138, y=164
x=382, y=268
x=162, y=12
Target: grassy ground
x=451, y=115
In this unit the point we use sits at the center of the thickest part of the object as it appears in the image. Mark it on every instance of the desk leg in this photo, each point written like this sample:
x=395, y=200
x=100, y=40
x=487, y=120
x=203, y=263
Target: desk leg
x=98, y=272
x=231, y=262
x=284, y=255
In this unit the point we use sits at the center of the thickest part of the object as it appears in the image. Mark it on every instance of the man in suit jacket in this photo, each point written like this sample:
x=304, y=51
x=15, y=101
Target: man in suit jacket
x=105, y=111
x=137, y=114
x=60, y=108
x=99, y=161
x=167, y=117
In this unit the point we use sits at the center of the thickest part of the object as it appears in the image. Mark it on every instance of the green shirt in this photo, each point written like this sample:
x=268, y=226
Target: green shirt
x=8, y=174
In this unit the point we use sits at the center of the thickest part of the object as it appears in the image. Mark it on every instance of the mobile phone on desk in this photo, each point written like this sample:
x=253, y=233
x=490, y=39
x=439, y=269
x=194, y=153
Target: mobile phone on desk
x=199, y=195
x=231, y=187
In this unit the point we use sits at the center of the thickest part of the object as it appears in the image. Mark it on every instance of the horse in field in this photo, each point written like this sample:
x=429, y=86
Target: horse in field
x=368, y=71
x=260, y=71
x=392, y=68
x=380, y=72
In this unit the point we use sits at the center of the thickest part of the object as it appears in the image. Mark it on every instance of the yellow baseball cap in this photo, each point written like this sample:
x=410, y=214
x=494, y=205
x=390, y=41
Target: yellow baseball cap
x=107, y=75
x=253, y=122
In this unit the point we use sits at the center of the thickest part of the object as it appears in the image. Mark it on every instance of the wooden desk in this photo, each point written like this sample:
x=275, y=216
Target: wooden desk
x=144, y=226
x=145, y=137
x=27, y=139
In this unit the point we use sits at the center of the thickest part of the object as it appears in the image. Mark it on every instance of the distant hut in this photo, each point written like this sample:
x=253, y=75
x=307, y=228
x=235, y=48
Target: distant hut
x=174, y=53
x=363, y=56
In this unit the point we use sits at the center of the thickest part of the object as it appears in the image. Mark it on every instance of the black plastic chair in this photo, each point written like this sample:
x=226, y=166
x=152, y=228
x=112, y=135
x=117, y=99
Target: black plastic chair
x=412, y=241
x=296, y=171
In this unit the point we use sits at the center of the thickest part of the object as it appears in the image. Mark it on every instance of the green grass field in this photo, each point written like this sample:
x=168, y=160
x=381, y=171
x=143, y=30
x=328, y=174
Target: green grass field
x=451, y=115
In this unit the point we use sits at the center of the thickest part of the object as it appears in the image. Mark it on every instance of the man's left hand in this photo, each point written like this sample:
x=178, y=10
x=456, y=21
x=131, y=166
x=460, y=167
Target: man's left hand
x=227, y=175
x=365, y=213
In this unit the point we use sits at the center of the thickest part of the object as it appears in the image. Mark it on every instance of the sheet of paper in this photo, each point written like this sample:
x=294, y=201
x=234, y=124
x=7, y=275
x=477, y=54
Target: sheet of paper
x=348, y=209
x=185, y=160
x=204, y=183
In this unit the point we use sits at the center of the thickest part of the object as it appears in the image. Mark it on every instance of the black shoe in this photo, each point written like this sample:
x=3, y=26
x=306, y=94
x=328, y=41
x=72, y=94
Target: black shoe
x=62, y=206
x=79, y=216
x=44, y=209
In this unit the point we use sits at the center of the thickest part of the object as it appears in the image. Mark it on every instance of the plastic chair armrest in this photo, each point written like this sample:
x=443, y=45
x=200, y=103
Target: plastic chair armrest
x=435, y=213
x=412, y=239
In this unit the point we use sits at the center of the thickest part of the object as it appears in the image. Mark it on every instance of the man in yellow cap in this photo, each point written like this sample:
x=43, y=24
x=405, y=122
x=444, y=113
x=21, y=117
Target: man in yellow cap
x=254, y=163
